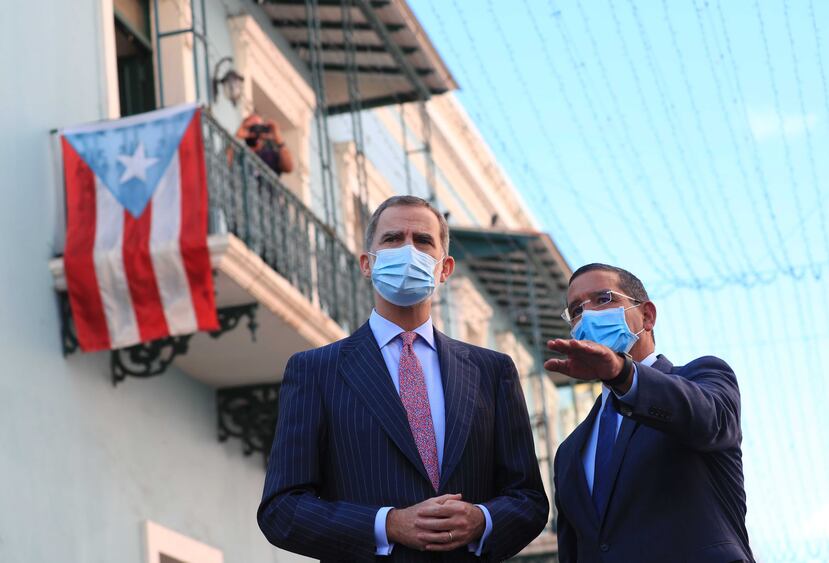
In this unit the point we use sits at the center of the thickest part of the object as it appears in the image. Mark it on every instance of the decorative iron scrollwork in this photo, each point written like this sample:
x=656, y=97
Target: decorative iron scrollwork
x=248, y=413
x=153, y=358
x=69, y=339
x=230, y=317
x=147, y=359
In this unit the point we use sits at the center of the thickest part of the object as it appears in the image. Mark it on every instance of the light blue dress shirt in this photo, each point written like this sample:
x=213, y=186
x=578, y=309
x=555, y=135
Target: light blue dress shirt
x=588, y=457
x=386, y=334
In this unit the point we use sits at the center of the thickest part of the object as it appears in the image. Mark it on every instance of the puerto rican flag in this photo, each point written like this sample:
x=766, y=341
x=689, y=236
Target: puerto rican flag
x=136, y=258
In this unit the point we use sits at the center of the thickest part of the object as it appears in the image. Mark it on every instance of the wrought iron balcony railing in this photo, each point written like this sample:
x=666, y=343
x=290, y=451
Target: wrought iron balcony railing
x=248, y=200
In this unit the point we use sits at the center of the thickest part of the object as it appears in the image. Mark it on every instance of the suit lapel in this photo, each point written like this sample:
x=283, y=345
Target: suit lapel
x=574, y=472
x=460, y=391
x=365, y=371
x=619, y=448
x=626, y=432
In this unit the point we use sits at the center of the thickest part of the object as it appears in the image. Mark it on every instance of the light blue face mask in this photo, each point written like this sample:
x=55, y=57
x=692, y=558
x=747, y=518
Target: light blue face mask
x=404, y=276
x=607, y=327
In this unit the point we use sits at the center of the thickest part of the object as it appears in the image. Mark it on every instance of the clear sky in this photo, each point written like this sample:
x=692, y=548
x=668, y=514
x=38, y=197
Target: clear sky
x=685, y=140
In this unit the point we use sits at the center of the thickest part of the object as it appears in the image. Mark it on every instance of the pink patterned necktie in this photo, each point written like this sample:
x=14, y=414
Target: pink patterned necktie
x=416, y=402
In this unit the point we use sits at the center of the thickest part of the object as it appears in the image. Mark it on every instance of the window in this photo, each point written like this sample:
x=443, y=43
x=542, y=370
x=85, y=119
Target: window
x=134, y=51
x=166, y=546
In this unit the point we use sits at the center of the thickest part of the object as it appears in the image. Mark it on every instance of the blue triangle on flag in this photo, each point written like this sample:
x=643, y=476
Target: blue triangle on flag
x=130, y=155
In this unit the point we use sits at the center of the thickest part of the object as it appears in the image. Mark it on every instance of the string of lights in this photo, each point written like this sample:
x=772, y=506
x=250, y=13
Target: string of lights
x=538, y=186
x=618, y=114
x=662, y=258
x=810, y=151
x=744, y=278
x=825, y=90
x=732, y=137
x=728, y=55
x=736, y=239
x=787, y=151
x=651, y=122
x=741, y=305
x=530, y=99
x=677, y=135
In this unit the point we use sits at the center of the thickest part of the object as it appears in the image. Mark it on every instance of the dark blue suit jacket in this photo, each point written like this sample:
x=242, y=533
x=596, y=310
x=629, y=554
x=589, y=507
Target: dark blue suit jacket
x=677, y=493
x=343, y=449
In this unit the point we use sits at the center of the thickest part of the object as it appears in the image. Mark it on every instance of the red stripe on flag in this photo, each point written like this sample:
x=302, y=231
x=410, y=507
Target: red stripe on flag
x=78, y=257
x=193, y=238
x=138, y=265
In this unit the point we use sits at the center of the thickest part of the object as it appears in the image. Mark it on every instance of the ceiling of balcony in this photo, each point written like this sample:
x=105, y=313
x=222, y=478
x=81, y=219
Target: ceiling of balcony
x=394, y=60
x=524, y=273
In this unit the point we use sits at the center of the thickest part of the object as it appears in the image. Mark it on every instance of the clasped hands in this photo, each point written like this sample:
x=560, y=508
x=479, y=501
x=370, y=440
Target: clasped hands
x=441, y=523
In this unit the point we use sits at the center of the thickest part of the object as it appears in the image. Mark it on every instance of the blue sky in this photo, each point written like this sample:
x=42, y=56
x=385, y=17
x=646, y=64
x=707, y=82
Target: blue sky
x=684, y=140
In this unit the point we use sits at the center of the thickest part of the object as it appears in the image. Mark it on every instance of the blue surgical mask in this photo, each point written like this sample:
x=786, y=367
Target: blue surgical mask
x=607, y=327
x=404, y=276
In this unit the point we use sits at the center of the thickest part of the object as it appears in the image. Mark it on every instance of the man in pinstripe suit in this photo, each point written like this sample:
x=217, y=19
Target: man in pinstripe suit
x=399, y=443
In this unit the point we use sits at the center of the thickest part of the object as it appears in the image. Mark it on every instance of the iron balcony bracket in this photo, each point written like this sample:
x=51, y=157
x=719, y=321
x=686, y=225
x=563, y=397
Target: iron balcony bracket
x=69, y=339
x=153, y=358
x=147, y=359
x=248, y=413
x=229, y=318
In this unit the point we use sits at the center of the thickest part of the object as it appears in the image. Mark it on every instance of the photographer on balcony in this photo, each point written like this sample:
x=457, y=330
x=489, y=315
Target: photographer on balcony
x=265, y=139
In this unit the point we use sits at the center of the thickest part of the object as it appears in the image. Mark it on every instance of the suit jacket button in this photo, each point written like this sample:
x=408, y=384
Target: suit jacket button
x=604, y=547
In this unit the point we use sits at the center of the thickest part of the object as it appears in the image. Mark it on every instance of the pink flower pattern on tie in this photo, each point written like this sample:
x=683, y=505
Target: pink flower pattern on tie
x=416, y=402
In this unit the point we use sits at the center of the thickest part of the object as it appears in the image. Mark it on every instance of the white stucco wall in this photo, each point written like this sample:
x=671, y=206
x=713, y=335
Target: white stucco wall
x=85, y=463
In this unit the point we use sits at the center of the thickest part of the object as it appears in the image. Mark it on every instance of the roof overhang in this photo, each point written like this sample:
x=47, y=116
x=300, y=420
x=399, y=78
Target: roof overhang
x=393, y=58
x=525, y=274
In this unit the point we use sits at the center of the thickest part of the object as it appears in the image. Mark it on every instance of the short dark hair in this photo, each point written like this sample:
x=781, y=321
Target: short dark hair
x=628, y=283
x=411, y=201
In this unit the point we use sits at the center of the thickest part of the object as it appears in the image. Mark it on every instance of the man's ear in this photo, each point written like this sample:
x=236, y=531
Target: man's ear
x=365, y=265
x=447, y=268
x=648, y=316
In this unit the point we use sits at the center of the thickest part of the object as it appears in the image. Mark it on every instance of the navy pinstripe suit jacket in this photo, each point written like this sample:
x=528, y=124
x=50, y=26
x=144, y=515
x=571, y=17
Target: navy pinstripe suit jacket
x=343, y=449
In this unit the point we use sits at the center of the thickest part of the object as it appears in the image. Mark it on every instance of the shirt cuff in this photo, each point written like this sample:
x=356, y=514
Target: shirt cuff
x=630, y=396
x=381, y=540
x=478, y=546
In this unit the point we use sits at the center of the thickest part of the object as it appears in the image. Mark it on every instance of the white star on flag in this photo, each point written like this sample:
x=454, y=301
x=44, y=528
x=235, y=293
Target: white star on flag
x=135, y=166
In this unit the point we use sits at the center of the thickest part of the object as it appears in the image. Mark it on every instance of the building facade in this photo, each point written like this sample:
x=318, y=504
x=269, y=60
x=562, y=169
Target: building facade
x=155, y=453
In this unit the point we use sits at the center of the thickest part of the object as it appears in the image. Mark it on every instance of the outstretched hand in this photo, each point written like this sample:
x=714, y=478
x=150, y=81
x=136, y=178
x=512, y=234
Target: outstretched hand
x=584, y=360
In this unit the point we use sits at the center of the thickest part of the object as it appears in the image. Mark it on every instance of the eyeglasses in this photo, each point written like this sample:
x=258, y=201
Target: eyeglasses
x=599, y=300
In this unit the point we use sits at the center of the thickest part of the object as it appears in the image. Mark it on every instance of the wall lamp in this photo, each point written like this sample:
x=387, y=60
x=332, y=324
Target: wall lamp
x=231, y=82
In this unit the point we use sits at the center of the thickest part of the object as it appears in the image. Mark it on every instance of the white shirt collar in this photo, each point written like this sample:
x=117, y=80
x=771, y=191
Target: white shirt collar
x=649, y=360
x=385, y=331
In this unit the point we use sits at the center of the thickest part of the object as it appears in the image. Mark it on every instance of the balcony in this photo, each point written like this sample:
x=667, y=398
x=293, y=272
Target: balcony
x=267, y=248
x=379, y=40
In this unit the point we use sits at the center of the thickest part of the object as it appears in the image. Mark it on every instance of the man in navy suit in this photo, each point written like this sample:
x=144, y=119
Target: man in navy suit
x=654, y=473
x=398, y=442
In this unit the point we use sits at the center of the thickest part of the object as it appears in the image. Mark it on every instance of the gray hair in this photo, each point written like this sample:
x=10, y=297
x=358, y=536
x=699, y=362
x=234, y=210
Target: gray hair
x=411, y=201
